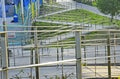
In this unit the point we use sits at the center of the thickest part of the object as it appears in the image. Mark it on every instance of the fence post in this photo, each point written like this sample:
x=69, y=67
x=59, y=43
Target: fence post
x=22, y=11
x=78, y=55
x=4, y=58
x=31, y=62
x=108, y=53
x=4, y=44
x=62, y=59
x=36, y=52
x=0, y=62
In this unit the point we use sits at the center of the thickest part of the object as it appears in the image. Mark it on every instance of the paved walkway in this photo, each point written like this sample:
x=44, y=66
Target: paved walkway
x=100, y=71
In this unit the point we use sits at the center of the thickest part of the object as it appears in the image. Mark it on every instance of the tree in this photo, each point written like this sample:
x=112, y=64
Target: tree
x=111, y=7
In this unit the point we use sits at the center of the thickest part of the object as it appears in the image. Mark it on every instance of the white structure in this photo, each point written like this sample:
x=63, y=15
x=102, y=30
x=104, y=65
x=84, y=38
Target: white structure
x=64, y=0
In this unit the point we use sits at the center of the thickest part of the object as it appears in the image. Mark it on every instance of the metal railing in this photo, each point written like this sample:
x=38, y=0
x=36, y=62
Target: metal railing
x=57, y=53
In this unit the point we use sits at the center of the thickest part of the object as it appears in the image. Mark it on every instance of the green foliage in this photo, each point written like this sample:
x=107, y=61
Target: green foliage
x=94, y=3
x=111, y=7
x=43, y=24
x=49, y=9
x=42, y=27
x=80, y=16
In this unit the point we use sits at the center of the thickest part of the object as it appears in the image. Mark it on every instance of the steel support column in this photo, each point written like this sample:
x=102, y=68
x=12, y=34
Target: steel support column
x=78, y=55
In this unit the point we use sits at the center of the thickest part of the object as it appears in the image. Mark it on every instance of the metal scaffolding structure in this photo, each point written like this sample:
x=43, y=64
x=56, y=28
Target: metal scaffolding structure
x=61, y=48
x=99, y=55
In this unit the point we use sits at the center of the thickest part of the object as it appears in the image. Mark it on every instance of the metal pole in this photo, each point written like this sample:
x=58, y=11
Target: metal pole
x=36, y=53
x=57, y=54
x=22, y=11
x=14, y=56
x=4, y=58
x=31, y=60
x=62, y=64
x=85, y=51
x=38, y=7
x=3, y=13
x=4, y=44
x=78, y=55
x=109, y=60
x=0, y=61
x=114, y=48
